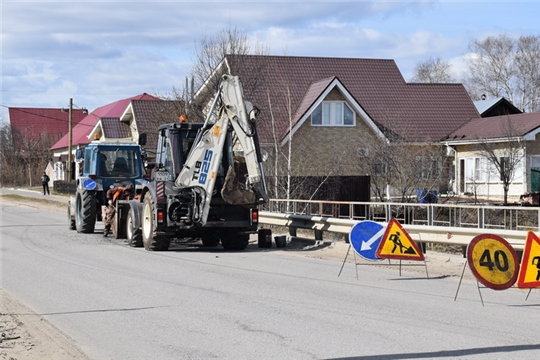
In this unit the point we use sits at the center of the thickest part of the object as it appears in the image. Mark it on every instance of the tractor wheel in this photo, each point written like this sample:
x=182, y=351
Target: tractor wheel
x=71, y=219
x=151, y=240
x=133, y=235
x=234, y=241
x=85, y=211
x=118, y=230
x=210, y=238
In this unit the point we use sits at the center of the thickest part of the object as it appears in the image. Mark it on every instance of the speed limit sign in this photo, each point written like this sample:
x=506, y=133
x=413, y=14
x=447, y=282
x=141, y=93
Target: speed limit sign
x=493, y=261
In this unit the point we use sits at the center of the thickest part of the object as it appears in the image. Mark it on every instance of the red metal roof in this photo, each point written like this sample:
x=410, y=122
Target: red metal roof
x=416, y=112
x=496, y=127
x=112, y=110
x=34, y=122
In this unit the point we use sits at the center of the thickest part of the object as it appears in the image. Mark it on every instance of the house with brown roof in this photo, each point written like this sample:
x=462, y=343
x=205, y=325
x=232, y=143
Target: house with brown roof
x=102, y=123
x=325, y=110
x=145, y=116
x=513, y=140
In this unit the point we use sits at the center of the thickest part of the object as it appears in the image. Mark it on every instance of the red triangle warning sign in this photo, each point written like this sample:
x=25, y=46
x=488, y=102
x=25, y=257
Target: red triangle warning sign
x=396, y=243
x=529, y=275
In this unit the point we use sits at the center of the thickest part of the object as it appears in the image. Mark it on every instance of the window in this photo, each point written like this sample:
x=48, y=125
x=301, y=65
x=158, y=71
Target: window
x=333, y=113
x=428, y=167
x=118, y=163
x=481, y=170
x=476, y=169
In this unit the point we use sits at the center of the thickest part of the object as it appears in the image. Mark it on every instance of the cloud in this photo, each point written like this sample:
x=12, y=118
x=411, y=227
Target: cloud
x=101, y=51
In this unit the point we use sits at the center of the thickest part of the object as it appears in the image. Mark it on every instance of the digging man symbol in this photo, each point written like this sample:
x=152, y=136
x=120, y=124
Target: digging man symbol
x=397, y=242
x=395, y=238
x=536, y=261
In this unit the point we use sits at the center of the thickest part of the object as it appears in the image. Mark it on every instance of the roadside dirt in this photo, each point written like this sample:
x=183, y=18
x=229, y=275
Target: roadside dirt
x=25, y=335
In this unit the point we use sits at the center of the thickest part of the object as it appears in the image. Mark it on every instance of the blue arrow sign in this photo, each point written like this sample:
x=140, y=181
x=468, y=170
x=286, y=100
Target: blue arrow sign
x=89, y=184
x=365, y=237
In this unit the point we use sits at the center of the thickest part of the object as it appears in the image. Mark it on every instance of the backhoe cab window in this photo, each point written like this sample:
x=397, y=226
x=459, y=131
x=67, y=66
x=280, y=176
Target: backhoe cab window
x=118, y=163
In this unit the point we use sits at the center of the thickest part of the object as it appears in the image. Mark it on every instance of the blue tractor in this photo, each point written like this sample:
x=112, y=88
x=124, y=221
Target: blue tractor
x=104, y=166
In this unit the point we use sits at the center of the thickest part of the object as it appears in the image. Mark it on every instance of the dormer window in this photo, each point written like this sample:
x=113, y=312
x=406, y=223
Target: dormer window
x=333, y=113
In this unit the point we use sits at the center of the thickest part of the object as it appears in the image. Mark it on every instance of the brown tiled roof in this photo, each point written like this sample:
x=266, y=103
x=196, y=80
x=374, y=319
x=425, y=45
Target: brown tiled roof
x=311, y=96
x=416, y=112
x=150, y=114
x=497, y=127
x=113, y=128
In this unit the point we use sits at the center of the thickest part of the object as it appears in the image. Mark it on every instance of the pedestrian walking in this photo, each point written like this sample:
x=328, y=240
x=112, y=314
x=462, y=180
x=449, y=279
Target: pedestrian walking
x=45, y=182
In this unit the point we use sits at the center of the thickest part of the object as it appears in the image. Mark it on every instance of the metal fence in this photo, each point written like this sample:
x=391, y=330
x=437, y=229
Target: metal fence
x=520, y=218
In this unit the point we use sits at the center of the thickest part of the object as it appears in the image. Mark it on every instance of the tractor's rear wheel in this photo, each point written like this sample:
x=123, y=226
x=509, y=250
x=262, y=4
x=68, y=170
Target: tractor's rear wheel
x=85, y=211
x=133, y=234
x=119, y=231
x=151, y=240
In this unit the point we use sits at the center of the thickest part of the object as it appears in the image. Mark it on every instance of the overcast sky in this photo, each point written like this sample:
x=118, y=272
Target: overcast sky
x=102, y=51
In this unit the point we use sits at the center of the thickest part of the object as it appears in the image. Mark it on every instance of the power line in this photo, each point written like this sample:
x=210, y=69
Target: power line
x=53, y=118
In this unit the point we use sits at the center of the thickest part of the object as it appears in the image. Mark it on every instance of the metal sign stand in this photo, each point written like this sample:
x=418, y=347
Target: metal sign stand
x=477, y=285
x=344, y=260
x=389, y=264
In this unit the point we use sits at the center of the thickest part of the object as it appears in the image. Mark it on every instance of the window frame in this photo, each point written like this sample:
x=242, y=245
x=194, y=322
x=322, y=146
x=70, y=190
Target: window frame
x=333, y=113
x=479, y=170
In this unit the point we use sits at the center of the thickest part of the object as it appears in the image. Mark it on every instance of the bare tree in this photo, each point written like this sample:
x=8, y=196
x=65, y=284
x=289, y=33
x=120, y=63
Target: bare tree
x=528, y=66
x=22, y=158
x=402, y=167
x=7, y=152
x=209, y=55
x=292, y=171
x=505, y=157
x=506, y=67
x=433, y=70
x=212, y=49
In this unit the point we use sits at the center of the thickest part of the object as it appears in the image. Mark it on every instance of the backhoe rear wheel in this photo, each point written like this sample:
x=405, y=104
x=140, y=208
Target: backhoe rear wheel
x=85, y=211
x=210, y=238
x=234, y=241
x=151, y=240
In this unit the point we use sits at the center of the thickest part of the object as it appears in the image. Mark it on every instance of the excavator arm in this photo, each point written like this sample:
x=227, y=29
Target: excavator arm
x=202, y=163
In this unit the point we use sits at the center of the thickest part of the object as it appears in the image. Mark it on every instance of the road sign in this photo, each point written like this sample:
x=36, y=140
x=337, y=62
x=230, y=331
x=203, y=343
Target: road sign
x=397, y=244
x=493, y=261
x=89, y=184
x=529, y=274
x=365, y=237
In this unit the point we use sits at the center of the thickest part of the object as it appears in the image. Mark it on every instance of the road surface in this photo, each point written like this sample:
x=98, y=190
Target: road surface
x=118, y=302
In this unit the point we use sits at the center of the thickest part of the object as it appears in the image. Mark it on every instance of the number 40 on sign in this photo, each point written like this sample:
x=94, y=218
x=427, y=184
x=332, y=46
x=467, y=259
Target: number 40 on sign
x=493, y=261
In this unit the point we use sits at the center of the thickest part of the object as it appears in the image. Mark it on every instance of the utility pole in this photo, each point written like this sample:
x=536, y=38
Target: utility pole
x=70, y=139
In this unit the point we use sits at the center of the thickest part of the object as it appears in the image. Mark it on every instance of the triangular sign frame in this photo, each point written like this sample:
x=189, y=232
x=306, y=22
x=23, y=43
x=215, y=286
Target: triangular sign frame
x=531, y=244
x=396, y=243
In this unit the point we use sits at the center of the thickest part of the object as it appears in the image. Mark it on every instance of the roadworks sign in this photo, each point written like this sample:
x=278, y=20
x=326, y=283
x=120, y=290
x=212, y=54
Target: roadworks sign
x=396, y=243
x=529, y=275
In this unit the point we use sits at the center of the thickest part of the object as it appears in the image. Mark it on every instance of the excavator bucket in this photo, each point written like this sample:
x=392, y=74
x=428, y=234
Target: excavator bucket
x=234, y=193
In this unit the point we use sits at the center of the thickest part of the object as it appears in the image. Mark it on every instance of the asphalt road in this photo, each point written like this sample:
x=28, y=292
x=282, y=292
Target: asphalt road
x=118, y=302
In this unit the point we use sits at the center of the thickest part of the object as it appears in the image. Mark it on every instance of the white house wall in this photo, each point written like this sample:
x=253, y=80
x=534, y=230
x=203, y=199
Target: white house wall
x=490, y=185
